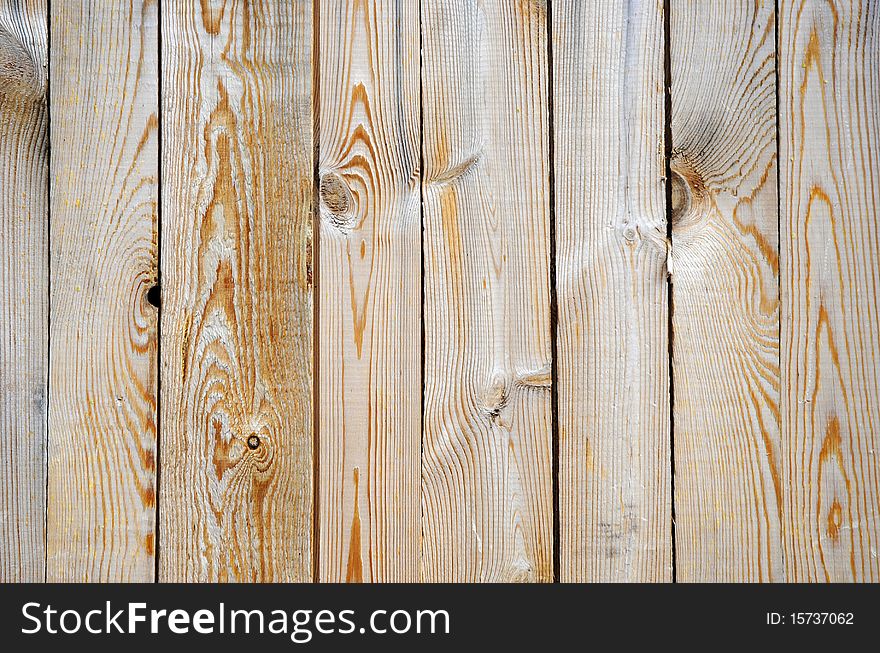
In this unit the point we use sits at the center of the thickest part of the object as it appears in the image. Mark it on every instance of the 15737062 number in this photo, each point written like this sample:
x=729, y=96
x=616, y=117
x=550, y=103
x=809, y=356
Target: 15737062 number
x=819, y=618
x=810, y=618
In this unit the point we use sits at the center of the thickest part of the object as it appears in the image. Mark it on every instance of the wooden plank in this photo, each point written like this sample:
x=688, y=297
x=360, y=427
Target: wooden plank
x=724, y=275
x=24, y=280
x=829, y=135
x=487, y=454
x=370, y=292
x=236, y=396
x=614, y=440
x=103, y=339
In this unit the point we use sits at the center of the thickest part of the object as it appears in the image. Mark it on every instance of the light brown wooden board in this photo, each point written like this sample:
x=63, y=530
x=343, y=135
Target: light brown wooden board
x=24, y=299
x=104, y=220
x=236, y=371
x=829, y=139
x=370, y=292
x=724, y=276
x=487, y=454
x=613, y=369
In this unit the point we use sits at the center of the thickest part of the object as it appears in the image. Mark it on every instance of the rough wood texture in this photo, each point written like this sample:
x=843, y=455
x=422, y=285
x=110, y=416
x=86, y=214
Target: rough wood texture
x=829, y=134
x=236, y=397
x=614, y=485
x=24, y=300
x=370, y=292
x=486, y=479
x=103, y=339
x=724, y=274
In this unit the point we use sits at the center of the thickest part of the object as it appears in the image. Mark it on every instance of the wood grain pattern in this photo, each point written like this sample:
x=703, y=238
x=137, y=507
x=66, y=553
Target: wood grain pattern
x=614, y=441
x=724, y=274
x=370, y=292
x=236, y=445
x=24, y=299
x=486, y=465
x=103, y=339
x=829, y=133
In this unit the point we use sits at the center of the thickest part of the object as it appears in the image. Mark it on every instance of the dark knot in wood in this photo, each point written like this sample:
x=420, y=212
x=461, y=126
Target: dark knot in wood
x=154, y=296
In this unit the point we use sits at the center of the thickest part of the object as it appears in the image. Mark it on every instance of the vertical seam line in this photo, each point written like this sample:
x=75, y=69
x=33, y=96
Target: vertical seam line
x=776, y=51
x=670, y=298
x=316, y=313
x=554, y=302
x=48, y=283
x=159, y=312
x=422, y=289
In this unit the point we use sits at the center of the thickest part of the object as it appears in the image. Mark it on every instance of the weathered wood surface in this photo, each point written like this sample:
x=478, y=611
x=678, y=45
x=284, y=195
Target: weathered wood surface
x=829, y=140
x=487, y=499
x=370, y=292
x=104, y=339
x=24, y=302
x=724, y=283
x=368, y=208
x=236, y=489
x=614, y=440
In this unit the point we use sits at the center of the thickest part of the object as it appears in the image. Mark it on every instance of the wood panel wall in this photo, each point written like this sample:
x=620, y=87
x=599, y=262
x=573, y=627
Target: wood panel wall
x=471, y=290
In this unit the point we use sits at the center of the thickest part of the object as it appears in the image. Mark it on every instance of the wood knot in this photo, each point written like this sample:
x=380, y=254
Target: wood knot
x=537, y=378
x=337, y=199
x=154, y=296
x=465, y=167
x=630, y=233
x=259, y=453
x=835, y=519
x=18, y=72
x=688, y=192
x=495, y=398
x=681, y=197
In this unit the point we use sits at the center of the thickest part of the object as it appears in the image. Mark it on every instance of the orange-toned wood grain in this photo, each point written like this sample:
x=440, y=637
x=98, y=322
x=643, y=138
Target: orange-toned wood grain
x=370, y=292
x=104, y=332
x=724, y=265
x=24, y=298
x=236, y=488
x=829, y=136
x=487, y=450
